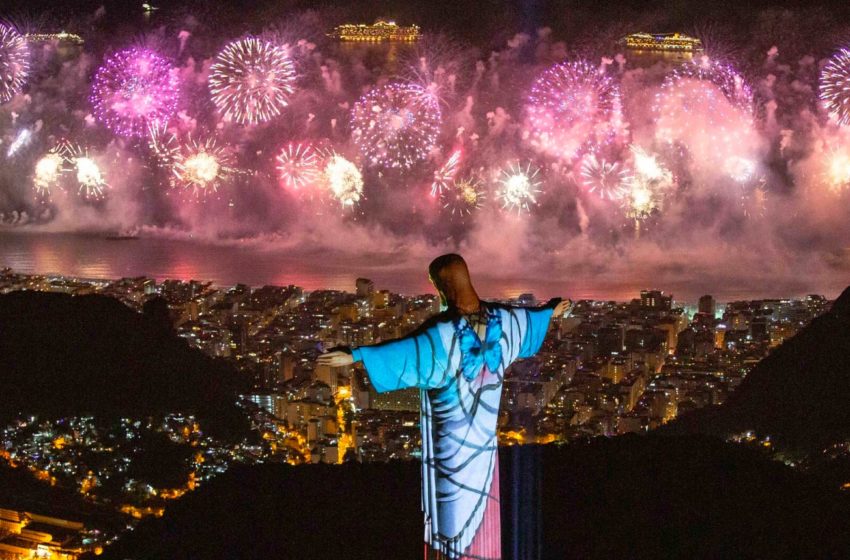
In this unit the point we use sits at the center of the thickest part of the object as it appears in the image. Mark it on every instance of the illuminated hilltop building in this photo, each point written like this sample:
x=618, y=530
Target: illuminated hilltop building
x=27, y=535
x=666, y=42
x=379, y=31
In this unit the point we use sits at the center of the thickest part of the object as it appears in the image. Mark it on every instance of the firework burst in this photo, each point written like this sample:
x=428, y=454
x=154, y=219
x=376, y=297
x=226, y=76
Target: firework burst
x=134, y=89
x=92, y=185
x=607, y=180
x=722, y=76
x=572, y=107
x=201, y=167
x=519, y=186
x=740, y=169
x=22, y=139
x=650, y=183
x=647, y=168
x=14, y=62
x=163, y=144
x=835, y=86
x=396, y=125
x=299, y=165
x=48, y=170
x=837, y=170
x=642, y=200
x=343, y=180
x=706, y=110
x=463, y=196
x=251, y=81
x=88, y=177
x=445, y=175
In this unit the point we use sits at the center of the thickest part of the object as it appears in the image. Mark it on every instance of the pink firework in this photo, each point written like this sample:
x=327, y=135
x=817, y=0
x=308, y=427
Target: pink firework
x=835, y=86
x=299, y=165
x=706, y=109
x=14, y=62
x=722, y=76
x=396, y=125
x=572, y=107
x=608, y=180
x=134, y=89
x=200, y=168
x=444, y=176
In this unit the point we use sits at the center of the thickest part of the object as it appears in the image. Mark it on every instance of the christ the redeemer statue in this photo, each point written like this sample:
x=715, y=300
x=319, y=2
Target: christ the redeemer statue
x=458, y=359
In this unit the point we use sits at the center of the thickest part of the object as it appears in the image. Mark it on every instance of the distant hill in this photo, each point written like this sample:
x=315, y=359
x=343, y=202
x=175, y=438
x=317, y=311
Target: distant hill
x=798, y=395
x=629, y=497
x=92, y=355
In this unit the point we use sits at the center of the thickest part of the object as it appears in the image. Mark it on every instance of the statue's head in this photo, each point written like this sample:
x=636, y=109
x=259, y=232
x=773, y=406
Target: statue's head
x=450, y=276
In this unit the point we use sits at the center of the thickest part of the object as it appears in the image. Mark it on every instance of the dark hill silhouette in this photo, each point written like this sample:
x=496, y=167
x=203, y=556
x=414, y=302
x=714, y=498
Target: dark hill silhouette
x=798, y=395
x=91, y=355
x=20, y=491
x=629, y=497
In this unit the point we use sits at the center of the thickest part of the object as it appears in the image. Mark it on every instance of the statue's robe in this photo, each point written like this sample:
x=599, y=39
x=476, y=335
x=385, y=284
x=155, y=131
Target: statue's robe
x=460, y=377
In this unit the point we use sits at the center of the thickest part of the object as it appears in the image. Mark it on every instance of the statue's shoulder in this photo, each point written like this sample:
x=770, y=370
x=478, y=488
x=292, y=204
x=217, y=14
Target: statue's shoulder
x=438, y=320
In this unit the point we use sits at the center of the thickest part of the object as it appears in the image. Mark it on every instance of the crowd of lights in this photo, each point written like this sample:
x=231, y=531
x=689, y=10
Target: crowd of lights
x=134, y=89
x=573, y=107
x=251, y=81
x=14, y=62
x=396, y=125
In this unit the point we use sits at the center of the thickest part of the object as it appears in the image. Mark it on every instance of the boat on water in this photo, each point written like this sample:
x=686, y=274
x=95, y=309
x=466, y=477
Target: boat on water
x=122, y=236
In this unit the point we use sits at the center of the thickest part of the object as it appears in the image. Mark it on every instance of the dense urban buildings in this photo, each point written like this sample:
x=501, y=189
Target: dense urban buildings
x=607, y=368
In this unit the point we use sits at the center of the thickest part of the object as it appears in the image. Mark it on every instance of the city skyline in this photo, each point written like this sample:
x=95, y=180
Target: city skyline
x=606, y=369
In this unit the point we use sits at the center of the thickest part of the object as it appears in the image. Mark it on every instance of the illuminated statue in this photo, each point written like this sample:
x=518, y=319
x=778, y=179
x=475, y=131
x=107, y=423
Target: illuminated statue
x=458, y=359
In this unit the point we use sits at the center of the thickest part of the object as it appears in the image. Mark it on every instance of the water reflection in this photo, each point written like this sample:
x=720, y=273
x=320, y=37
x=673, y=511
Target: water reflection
x=91, y=256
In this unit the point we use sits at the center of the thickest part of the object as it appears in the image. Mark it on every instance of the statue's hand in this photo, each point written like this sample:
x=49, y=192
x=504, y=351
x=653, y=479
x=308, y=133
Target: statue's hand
x=562, y=307
x=337, y=358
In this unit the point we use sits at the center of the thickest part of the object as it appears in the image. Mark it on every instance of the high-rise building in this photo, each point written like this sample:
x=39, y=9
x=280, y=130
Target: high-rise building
x=655, y=300
x=365, y=287
x=406, y=400
x=381, y=300
x=760, y=329
x=329, y=375
x=612, y=340
x=706, y=305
